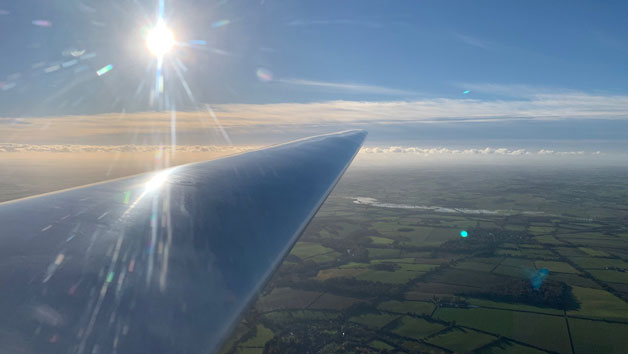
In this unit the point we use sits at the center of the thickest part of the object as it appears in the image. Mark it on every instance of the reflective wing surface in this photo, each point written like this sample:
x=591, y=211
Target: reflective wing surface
x=163, y=262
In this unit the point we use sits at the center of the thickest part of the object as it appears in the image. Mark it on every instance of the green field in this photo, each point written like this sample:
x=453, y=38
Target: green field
x=541, y=230
x=286, y=317
x=286, y=298
x=574, y=280
x=325, y=257
x=414, y=307
x=478, y=266
x=510, y=271
x=394, y=260
x=333, y=302
x=261, y=335
x=461, y=340
x=598, y=337
x=378, y=344
x=599, y=304
x=416, y=328
x=245, y=350
x=548, y=240
x=339, y=272
x=506, y=347
x=383, y=252
x=610, y=275
x=354, y=265
x=467, y=278
x=305, y=250
x=382, y=276
x=593, y=253
x=374, y=320
x=381, y=240
x=518, y=262
x=416, y=267
x=599, y=263
x=513, y=306
x=544, y=331
x=560, y=267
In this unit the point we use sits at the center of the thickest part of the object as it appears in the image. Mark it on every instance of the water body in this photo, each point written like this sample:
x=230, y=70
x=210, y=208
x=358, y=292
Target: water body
x=439, y=209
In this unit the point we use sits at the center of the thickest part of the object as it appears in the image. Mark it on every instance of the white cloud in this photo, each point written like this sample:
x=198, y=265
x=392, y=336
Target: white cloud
x=485, y=151
x=397, y=150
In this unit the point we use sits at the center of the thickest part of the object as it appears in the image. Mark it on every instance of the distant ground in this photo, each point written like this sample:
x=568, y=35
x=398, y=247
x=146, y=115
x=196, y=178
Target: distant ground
x=32, y=173
x=544, y=267
x=383, y=267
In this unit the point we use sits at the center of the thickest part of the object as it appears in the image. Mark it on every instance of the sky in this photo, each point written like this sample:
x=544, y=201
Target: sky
x=534, y=75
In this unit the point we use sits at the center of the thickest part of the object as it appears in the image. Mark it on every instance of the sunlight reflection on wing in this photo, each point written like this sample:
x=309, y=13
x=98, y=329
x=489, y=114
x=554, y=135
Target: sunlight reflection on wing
x=157, y=181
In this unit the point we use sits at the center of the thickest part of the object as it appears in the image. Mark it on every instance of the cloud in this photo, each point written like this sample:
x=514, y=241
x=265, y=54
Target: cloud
x=473, y=41
x=477, y=152
x=74, y=148
x=516, y=90
x=337, y=22
x=544, y=105
x=222, y=149
x=408, y=156
x=347, y=87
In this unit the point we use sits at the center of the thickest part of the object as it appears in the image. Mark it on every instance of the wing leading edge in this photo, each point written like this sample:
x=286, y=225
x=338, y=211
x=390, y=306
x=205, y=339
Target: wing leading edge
x=163, y=262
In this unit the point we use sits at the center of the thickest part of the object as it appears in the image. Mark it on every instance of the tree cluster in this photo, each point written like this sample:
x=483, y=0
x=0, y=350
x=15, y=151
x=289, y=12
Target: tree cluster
x=550, y=294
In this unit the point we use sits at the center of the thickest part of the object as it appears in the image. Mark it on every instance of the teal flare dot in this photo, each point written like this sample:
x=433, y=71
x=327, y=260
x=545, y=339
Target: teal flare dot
x=464, y=233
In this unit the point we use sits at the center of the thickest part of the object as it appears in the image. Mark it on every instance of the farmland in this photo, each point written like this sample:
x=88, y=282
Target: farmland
x=545, y=274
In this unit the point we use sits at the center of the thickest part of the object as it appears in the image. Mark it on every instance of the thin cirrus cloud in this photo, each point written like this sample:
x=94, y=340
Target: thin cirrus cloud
x=517, y=90
x=474, y=41
x=335, y=22
x=347, y=87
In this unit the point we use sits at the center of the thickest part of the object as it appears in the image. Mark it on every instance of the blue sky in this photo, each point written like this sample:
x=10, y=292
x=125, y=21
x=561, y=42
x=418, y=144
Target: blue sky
x=524, y=60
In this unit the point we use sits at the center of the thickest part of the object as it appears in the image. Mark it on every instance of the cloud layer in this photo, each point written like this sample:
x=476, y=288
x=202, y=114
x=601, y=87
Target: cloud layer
x=476, y=152
x=71, y=148
x=420, y=151
x=530, y=105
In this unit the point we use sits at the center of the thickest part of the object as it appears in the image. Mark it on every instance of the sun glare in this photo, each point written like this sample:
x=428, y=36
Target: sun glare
x=160, y=40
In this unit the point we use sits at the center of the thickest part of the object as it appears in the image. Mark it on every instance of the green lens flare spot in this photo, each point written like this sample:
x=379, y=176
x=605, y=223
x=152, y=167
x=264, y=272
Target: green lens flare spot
x=127, y=197
x=464, y=233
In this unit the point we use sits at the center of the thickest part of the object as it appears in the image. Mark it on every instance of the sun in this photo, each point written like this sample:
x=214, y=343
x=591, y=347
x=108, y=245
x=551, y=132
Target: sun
x=160, y=39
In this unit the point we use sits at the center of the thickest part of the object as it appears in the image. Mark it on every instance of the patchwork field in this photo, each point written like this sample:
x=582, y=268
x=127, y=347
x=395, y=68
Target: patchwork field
x=367, y=279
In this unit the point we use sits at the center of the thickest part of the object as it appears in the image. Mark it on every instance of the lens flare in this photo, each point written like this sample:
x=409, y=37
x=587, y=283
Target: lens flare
x=160, y=40
x=220, y=23
x=105, y=69
x=264, y=75
x=42, y=23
